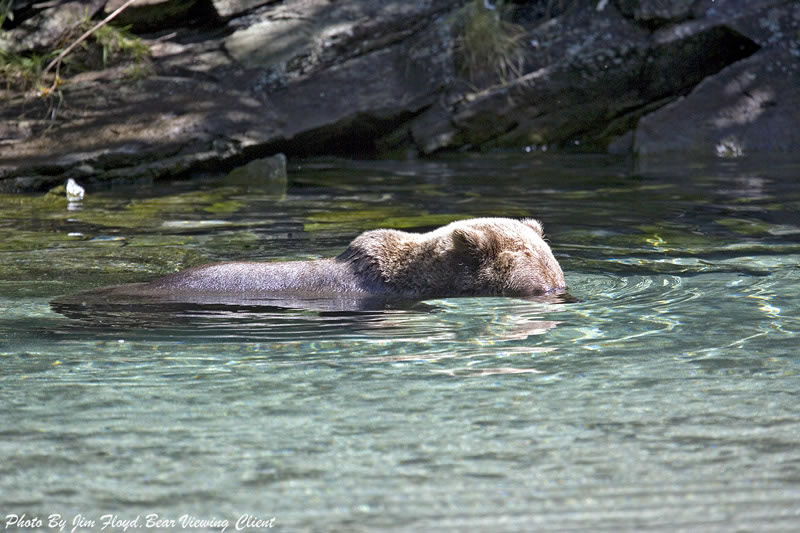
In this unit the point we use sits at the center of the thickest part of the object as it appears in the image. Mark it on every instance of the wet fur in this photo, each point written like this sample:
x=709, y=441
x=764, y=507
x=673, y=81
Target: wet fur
x=483, y=256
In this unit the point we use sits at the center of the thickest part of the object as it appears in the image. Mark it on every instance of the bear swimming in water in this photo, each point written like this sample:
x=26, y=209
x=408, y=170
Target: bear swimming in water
x=476, y=257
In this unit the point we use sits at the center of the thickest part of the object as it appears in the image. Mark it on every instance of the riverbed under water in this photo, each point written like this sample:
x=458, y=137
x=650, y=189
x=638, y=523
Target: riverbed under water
x=665, y=397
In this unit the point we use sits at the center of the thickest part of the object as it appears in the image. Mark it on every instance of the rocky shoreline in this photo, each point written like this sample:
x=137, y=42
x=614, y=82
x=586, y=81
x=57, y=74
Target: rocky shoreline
x=233, y=80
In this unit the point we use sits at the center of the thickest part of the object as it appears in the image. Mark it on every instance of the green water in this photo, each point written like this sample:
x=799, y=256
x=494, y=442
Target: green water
x=664, y=398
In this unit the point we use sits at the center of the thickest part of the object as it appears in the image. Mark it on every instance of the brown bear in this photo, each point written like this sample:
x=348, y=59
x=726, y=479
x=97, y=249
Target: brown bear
x=477, y=257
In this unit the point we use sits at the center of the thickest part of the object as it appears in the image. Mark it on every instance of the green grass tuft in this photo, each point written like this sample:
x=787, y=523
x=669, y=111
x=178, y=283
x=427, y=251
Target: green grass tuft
x=487, y=45
x=21, y=71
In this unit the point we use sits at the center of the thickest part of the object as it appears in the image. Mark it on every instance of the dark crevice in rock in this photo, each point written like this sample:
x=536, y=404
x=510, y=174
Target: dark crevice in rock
x=203, y=15
x=689, y=60
x=360, y=134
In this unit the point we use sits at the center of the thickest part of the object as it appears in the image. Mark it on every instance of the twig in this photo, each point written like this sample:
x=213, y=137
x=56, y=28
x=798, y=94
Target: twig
x=67, y=50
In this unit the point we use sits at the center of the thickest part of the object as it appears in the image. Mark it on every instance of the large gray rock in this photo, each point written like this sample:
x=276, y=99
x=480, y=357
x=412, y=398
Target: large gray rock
x=270, y=43
x=263, y=171
x=160, y=126
x=231, y=8
x=351, y=106
x=287, y=44
x=43, y=30
x=751, y=106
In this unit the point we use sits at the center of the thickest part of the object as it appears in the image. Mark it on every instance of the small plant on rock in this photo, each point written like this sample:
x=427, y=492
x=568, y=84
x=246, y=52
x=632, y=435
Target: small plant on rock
x=487, y=45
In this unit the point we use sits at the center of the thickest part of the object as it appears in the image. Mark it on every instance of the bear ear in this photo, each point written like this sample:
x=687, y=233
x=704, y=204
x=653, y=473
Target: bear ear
x=466, y=240
x=476, y=243
x=534, y=224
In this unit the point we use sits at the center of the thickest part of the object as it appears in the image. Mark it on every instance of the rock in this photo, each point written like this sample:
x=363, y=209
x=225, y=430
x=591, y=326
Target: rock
x=231, y=8
x=595, y=75
x=751, y=106
x=161, y=127
x=351, y=106
x=357, y=76
x=144, y=15
x=592, y=74
x=266, y=171
x=656, y=12
x=767, y=22
x=380, y=76
x=286, y=40
x=42, y=30
x=270, y=42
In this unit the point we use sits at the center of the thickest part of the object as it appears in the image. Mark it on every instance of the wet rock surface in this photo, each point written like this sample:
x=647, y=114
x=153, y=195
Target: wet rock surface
x=230, y=81
x=751, y=106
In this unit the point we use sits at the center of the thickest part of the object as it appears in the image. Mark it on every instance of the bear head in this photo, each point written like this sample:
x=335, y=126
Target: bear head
x=508, y=257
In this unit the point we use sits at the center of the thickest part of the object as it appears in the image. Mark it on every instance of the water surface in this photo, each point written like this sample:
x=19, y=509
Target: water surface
x=664, y=398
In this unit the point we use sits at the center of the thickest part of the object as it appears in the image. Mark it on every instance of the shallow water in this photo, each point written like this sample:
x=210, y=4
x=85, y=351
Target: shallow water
x=664, y=398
